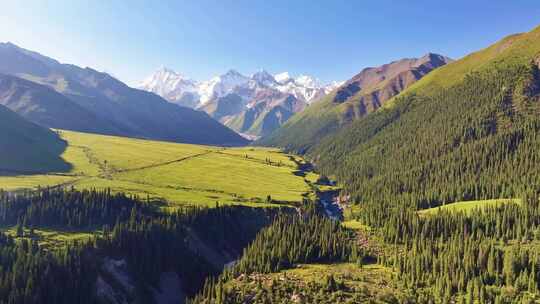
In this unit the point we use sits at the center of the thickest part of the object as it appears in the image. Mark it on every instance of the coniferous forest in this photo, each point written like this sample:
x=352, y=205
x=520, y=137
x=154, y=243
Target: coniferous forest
x=488, y=256
x=150, y=242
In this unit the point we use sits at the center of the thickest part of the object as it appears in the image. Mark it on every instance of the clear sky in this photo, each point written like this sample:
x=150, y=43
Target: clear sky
x=331, y=40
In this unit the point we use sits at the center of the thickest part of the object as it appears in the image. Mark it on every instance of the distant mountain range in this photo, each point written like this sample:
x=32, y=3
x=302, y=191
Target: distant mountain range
x=185, y=91
x=251, y=105
x=66, y=96
x=363, y=94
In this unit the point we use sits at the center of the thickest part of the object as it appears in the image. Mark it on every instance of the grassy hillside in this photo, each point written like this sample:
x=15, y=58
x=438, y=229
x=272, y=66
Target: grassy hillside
x=180, y=173
x=468, y=206
x=305, y=128
x=27, y=147
x=363, y=94
x=308, y=283
x=52, y=238
x=467, y=131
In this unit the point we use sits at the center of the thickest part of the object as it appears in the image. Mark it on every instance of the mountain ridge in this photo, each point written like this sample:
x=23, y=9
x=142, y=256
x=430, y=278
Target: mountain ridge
x=46, y=107
x=471, y=119
x=133, y=112
x=359, y=96
x=231, y=97
x=173, y=85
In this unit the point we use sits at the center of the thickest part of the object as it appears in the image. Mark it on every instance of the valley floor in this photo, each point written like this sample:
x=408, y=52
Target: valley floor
x=181, y=174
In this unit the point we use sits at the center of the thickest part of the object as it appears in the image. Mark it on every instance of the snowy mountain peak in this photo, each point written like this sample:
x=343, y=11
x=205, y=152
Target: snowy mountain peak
x=308, y=81
x=172, y=86
x=263, y=77
x=179, y=89
x=165, y=70
x=220, y=86
x=262, y=73
x=164, y=76
x=332, y=86
x=304, y=87
x=233, y=73
x=230, y=79
x=283, y=77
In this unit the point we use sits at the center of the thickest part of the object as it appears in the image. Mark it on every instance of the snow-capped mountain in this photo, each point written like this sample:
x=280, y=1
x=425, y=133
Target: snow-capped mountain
x=252, y=105
x=283, y=78
x=173, y=86
x=264, y=78
x=179, y=89
x=332, y=86
x=304, y=87
x=220, y=86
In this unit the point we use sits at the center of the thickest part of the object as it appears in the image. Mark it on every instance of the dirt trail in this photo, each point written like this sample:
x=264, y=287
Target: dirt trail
x=68, y=183
x=164, y=163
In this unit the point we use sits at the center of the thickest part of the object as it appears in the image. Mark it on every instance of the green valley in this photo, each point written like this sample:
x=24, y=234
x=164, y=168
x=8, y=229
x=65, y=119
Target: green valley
x=181, y=174
x=412, y=182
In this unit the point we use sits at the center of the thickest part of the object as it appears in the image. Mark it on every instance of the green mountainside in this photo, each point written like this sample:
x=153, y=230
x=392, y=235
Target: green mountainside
x=27, y=147
x=363, y=94
x=466, y=131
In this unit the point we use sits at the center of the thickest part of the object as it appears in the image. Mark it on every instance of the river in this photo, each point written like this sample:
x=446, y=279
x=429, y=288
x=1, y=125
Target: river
x=329, y=200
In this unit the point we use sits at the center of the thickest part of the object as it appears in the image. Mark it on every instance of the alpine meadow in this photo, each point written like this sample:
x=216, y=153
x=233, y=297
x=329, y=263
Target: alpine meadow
x=285, y=152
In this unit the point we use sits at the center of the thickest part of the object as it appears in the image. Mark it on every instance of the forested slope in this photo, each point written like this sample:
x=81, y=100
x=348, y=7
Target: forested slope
x=131, y=237
x=466, y=131
x=359, y=96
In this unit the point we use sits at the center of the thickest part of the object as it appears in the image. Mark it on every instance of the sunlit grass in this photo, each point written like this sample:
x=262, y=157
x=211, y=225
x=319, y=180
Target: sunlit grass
x=468, y=206
x=178, y=173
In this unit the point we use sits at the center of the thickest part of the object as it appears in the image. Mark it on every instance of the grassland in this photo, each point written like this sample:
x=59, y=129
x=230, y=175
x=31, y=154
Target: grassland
x=355, y=225
x=468, y=206
x=52, y=238
x=361, y=283
x=179, y=173
x=349, y=272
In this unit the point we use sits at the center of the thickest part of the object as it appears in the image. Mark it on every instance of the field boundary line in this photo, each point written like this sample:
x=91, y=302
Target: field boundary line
x=164, y=163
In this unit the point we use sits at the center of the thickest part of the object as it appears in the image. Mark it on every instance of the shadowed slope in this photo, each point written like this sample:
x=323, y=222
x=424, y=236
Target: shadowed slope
x=28, y=148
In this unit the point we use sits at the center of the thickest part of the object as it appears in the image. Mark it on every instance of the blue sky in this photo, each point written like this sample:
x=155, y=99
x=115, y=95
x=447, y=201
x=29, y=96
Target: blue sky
x=331, y=40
